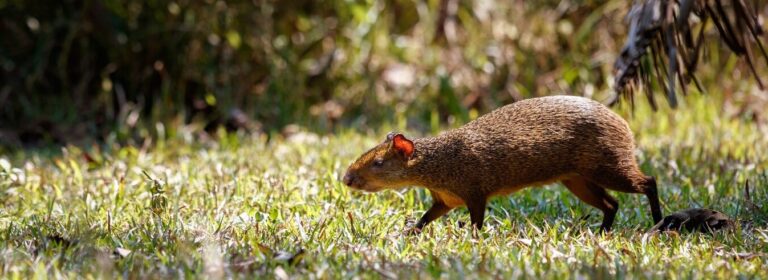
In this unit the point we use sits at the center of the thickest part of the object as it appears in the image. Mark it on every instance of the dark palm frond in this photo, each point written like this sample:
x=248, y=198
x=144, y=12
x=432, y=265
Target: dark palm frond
x=663, y=29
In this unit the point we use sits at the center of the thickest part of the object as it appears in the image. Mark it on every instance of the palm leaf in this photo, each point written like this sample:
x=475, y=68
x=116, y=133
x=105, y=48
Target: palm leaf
x=664, y=29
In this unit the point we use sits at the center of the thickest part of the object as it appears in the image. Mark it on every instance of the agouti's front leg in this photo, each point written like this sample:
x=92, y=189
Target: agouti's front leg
x=476, y=212
x=437, y=210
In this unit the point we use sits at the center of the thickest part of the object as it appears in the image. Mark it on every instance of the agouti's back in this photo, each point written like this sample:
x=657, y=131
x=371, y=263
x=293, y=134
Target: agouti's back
x=544, y=139
x=531, y=142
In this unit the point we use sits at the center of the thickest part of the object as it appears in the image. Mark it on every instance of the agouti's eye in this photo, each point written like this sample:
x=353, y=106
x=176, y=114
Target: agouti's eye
x=378, y=162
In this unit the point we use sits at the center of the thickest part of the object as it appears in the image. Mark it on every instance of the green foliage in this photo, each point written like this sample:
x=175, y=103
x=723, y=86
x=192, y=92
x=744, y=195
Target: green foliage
x=128, y=69
x=243, y=206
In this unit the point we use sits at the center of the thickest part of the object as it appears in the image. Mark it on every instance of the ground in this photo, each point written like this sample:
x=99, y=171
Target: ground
x=273, y=206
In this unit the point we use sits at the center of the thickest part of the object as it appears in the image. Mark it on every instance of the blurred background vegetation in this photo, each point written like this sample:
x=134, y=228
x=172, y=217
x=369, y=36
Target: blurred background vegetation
x=126, y=70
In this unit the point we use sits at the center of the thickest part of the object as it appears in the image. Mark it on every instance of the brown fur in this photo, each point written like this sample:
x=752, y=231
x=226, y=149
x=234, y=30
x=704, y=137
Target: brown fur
x=531, y=142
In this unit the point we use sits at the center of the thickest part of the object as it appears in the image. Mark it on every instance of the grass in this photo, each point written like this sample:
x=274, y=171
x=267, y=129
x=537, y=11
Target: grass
x=243, y=206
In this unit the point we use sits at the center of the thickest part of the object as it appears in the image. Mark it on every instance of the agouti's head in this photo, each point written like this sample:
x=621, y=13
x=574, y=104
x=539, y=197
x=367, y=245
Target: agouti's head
x=382, y=167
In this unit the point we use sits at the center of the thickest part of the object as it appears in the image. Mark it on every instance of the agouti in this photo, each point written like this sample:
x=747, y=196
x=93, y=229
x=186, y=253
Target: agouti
x=532, y=142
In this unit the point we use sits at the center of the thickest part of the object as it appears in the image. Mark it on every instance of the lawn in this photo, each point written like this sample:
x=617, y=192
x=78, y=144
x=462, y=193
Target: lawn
x=259, y=205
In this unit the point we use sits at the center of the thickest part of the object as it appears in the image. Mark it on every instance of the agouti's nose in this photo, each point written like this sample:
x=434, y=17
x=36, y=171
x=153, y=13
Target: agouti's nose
x=348, y=178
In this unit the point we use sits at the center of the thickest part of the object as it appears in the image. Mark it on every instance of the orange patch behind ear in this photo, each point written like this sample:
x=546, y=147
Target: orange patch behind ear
x=403, y=145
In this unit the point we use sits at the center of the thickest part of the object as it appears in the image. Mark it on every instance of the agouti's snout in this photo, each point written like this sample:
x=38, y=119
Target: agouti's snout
x=349, y=179
x=353, y=180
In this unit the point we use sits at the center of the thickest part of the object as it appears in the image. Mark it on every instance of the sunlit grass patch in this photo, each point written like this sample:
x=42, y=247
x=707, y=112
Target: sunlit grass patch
x=246, y=205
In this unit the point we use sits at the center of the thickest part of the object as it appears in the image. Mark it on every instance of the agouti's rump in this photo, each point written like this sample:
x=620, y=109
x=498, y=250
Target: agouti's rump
x=570, y=139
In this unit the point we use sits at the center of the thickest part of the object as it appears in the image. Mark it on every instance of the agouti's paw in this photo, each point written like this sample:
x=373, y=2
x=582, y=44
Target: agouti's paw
x=412, y=231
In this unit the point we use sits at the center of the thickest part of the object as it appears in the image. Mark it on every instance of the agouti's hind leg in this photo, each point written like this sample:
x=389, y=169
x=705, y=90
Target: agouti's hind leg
x=630, y=180
x=653, y=198
x=596, y=196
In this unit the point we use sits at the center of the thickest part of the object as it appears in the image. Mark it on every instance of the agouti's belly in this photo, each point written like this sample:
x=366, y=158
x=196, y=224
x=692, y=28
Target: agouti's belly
x=506, y=190
x=449, y=199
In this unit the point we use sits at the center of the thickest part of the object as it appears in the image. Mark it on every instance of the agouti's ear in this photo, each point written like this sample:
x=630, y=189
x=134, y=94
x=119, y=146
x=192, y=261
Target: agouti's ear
x=402, y=145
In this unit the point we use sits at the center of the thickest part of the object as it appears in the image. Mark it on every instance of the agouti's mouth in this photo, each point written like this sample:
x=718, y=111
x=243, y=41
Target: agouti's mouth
x=363, y=186
x=356, y=182
x=369, y=188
